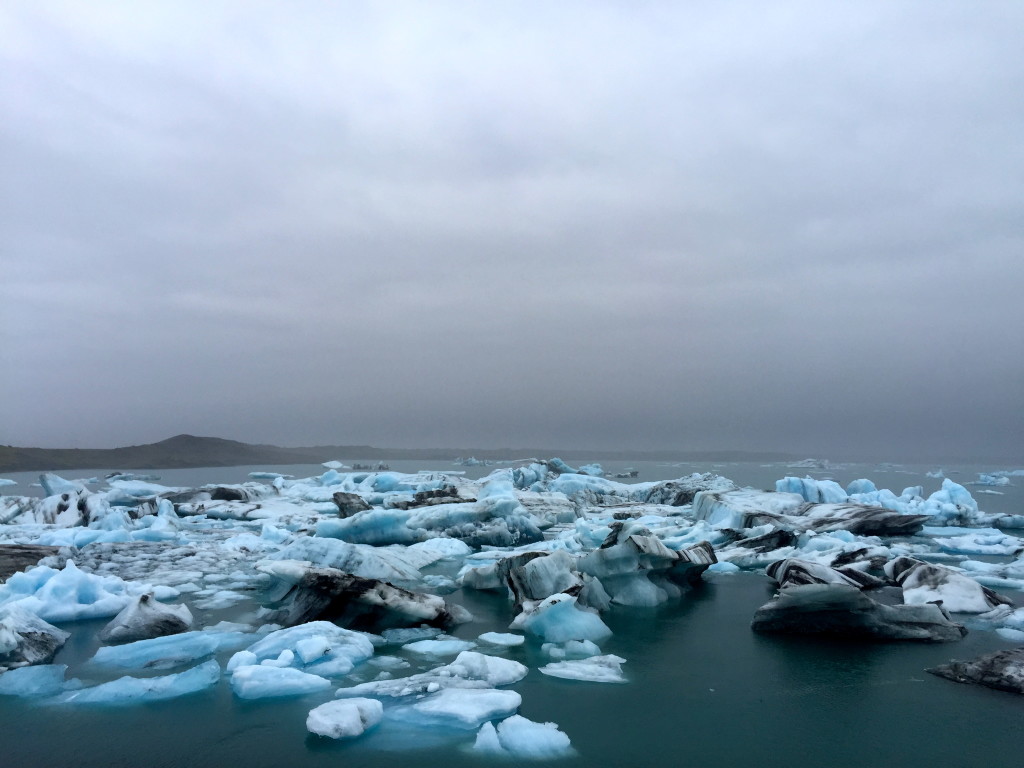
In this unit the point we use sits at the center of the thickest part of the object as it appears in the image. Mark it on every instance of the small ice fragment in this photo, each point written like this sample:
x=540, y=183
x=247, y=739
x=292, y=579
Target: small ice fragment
x=345, y=718
x=506, y=639
x=596, y=669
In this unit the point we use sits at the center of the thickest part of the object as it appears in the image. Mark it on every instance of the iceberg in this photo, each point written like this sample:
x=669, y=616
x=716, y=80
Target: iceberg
x=26, y=639
x=465, y=708
x=127, y=691
x=1002, y=670
x=558, y=619
x=503, y=639
x=925, y=583
x=792, y=571
x=595, y=669
x=170, y=650
x=360, y=560
x=319, y=646
x=843, y=610
x=43, y=680
x=440, y=647
x=519, y=738
x=359, y=603
x=70, y=594
x=345, y=718
x=144, y=618
x=262, y=681
x=469, y=670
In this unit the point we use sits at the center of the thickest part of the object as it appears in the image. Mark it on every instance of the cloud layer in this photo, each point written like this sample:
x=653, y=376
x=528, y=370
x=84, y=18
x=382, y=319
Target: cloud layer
x=636, y=225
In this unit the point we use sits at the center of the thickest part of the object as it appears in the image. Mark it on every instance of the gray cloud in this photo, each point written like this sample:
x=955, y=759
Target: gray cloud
x=642, y=225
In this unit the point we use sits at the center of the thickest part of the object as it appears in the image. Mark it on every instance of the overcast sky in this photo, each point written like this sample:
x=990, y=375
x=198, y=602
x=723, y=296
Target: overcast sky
x=783, y=226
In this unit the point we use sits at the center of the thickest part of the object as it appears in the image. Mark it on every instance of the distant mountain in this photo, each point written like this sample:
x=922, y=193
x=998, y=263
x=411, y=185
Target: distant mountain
x=184, y=451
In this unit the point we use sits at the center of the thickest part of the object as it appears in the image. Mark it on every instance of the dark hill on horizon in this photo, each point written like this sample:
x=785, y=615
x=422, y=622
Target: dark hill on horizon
x=185, y=451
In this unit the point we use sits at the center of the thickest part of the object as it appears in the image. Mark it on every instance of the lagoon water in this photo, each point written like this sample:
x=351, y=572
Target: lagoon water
x=703, y=689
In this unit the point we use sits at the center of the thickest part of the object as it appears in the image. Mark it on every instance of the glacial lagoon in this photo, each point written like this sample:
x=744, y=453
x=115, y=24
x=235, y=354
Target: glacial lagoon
x=700, y=688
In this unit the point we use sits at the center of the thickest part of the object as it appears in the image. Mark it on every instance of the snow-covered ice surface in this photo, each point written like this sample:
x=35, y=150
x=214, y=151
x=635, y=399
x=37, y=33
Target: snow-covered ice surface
x=196, y=584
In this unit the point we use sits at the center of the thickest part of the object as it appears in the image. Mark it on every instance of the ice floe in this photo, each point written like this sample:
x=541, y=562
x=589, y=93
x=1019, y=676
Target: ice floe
x=344, y=718
x=519, y=738
x=594, y=669
x=126, y=691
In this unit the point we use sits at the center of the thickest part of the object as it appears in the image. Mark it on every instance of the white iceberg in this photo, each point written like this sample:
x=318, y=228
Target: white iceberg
x=519, y=738
x=135, y=690
x=596, y=669
x=344, y=718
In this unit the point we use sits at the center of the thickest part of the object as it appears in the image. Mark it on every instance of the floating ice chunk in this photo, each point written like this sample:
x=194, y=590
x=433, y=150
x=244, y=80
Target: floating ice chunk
x=558, y=619
x=793, y=571
x=536, y=575
x=743, y=508
x=342, y=648
x=1002, y=670
x=284, y=659
x=169, y=651
x=816, y=491
x=38, y=681
x=574, y=649
x=469, y=670
x=242, y=659
x=389, y=662
x=54, y=485
x=247, y=543
x=982, y=543
x=358, y=559
x=482, y=577
x=466, y=707
x=505, y=639
x=144, y=618
x=489, y=669
x=487, y=740
x=259, y=681
x=861, y=486
x=312, y=649
x=219, y=599
x=26, y=639
x=376, y=527
x=842, y=609
x=723, y=567
x=991, y=479
x=359, y=603
x=409, y=634
x=333, y=465
x=140, y=489
x=134, y=690
x=926, y=582
x=596, y=669
x=70, y=594
x=440, y=647
x=4, y=481
x=345, y=718
x=517, y=737
x=438, y=548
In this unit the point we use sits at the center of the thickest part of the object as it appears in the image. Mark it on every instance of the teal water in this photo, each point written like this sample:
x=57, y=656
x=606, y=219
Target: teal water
x=703, y=690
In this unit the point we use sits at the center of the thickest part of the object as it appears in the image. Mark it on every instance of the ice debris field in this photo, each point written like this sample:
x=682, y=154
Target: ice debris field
x=343, y=587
